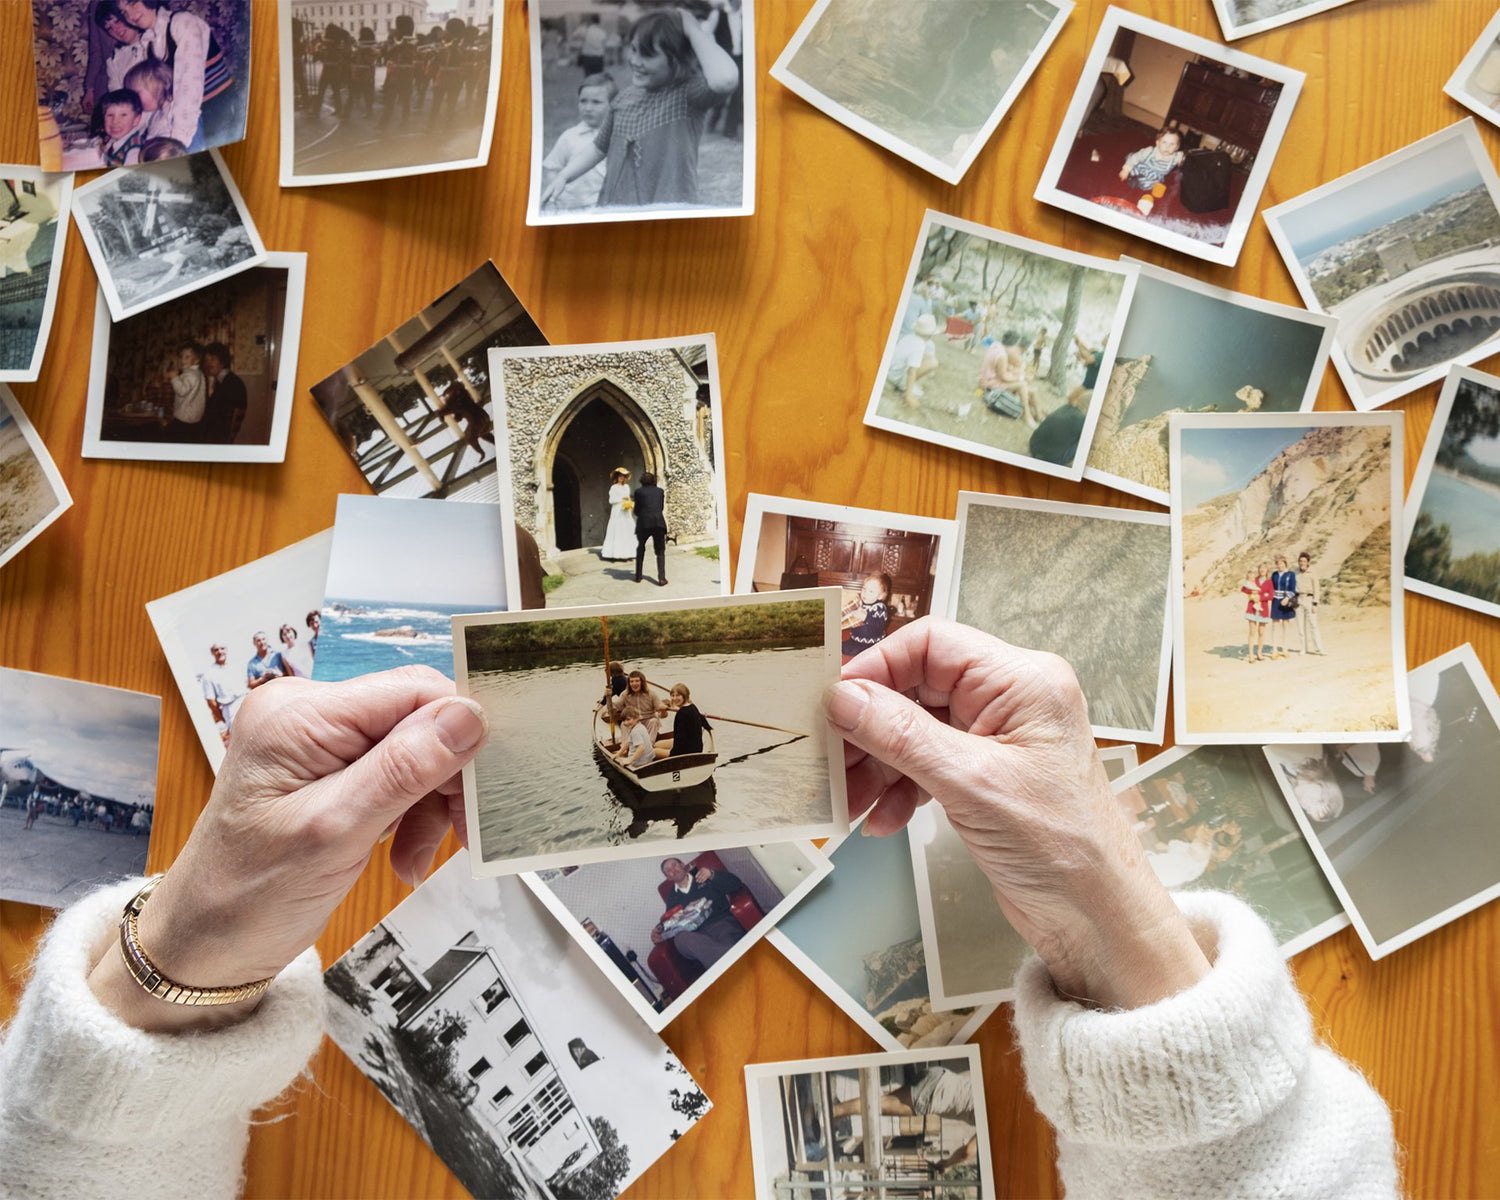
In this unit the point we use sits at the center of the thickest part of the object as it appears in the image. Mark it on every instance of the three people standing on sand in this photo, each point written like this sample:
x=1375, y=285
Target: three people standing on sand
x=1276, y=599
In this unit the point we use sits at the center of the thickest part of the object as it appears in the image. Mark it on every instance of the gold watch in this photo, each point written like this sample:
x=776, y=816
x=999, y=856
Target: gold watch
x=145, y=972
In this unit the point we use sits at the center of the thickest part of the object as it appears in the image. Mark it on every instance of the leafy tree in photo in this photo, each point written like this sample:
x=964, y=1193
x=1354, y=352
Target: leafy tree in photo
x=1429, y=552
x=1475, y=414
x=603, y=1178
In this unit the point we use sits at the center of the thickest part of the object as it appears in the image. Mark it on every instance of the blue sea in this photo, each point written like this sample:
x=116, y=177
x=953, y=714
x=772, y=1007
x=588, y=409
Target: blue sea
x=1471, y=512
x=360, y=636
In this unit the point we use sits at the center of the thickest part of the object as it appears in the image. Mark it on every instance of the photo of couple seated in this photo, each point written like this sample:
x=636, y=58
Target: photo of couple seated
x=652, y=726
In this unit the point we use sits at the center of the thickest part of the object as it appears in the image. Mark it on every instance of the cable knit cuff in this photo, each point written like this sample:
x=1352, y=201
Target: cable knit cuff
x=81, y=1067
x=1194, y=1067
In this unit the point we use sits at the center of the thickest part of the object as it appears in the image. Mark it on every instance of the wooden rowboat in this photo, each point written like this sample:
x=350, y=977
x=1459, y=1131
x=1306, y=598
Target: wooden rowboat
x=673, y=774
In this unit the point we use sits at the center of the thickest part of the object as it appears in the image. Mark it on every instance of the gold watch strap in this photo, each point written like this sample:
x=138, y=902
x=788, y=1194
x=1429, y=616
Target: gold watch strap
x=145, y=972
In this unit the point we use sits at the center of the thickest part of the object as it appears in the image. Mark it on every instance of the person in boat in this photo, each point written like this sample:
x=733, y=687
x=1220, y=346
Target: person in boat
x=687, y=725
x=637, y=746
x=638, y=700
x=617, y=681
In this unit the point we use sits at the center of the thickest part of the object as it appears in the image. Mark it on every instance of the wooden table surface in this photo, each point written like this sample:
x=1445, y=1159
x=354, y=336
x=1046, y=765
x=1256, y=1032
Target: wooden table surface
x=801, y=298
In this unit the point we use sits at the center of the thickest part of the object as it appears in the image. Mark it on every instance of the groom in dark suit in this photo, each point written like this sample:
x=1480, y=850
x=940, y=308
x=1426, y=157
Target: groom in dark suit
x=227, y=399
x=651, y=522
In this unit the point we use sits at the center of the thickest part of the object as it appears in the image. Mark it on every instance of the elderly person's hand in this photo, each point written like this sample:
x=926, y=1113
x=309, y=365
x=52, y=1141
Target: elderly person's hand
x=316, y=775
x=1000, y=737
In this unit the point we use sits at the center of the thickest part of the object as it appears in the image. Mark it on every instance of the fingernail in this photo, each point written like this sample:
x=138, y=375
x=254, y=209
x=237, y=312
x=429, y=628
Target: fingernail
x=864, y=829
x=420, y=873
x=460, y=725
x=845, y=704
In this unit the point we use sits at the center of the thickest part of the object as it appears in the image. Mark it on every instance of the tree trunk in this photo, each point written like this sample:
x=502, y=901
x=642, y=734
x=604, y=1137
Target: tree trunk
x=1062, y=345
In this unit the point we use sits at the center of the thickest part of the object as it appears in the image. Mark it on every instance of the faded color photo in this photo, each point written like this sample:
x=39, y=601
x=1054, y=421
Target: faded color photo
x=1476, y=82
x=1241, y=18
x=33, y=228
x=32, y=492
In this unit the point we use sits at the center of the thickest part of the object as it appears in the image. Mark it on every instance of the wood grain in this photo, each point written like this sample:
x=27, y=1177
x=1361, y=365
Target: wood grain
x=801, y=298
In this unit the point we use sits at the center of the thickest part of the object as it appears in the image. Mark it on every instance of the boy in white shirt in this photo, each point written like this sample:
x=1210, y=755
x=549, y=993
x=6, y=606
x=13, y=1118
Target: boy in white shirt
x=639, y=748
x=913, y=356
x=594, y=96
x=189, y=394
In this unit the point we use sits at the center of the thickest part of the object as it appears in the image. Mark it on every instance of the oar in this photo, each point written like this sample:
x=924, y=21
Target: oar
x=734, y=720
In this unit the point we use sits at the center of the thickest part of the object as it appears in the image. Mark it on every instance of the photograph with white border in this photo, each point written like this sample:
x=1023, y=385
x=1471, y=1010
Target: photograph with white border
x=930, y=1106
x=1214, y=818
x=611, y=457
x=979, y=311
x=209, y=631
x=643, y=111
x=165, y=229
x=1188, y=346
x=208, y=377
x=608, y=754
x=1242, y=18
x=893, y=568
x=33, y=232
x=1170, y=137
x=490, y=1032
x=1475, y=83
x=1081, y=581
x=1284, y=546
x=663, y=929
x=1453, y=505
x=1402, y=252
x=972, y=951
x=933, y=96
x=1406, y=831
x=420, y=61
x=32, y=491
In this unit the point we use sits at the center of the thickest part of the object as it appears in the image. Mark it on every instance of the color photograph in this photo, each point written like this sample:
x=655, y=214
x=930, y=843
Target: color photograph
x=32, y=491
x=1241, y=18
x=1476, y=82
x=1402, y=252
x=1191, y=347
x=77, y=785
x=492, y=1034
x=663, y=929
x=1001, y=347
x=1287, y=598
x=629, y=731
x=930, y=83
x=1170, y=137
x=33, y=231
x=1406, y=831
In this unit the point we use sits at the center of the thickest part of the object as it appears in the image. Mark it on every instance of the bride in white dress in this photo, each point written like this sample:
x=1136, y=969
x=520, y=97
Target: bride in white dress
x=619, y=534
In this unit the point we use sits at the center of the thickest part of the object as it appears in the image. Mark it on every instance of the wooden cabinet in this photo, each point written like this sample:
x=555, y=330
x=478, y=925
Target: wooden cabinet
x=843, y=555
x=1235, y=109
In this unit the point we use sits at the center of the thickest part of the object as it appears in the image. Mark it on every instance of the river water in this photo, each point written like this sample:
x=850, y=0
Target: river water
x=1470, y=510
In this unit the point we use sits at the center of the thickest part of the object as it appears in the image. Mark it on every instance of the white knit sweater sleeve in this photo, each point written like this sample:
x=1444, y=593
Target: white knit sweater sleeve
x=1217, y=1092
x=92, y=1107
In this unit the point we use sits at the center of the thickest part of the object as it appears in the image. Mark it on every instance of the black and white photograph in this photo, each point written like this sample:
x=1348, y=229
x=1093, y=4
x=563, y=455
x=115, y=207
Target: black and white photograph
x=1453, y=505
x=121, y=82
x=34, y=209
x=909, y=1123
x=413, y=411
x=1476, y=82
x=1406, y=831
x=1242, y=18
x=663, y=929
x=1402, y=252
x=77, y=785
x=637, y=730
x=641, y=110
x=207, y=377
x=614, y=466
x=1085, y=582
x=497, y=1040
x=32, y=491
x=376, y=90
x=161, y=231
x=1170, y=137
x=1001, y=346
x=226, y=636
x=930, y=83
x=1192, y=347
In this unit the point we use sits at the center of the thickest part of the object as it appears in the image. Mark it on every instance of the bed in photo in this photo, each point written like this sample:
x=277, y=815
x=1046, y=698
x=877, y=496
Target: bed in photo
x=32, y=491
x=1475, y=83
x=34, y=209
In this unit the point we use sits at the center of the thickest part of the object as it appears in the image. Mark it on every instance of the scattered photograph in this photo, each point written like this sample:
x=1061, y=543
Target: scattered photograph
x=164, y=230
x=1041, y=574
x=413, y=410
x=371, y=91
x=1402, y=252
x=227, y=635
x=1001, y=347
x=662, y=929
x=1241, y=18
x=641, y=111
x=1283, y=562
x=858, y=937
x=1191, y=347
x=932, y=95
x=374, y=617
x=32, y=491
x=77, y=785
x=1213, y=818
x=1170, y=137
x=927, y=1136
x=705, y=729
x=33, y=231
x=892, y=568
x=1406, y=831
x=614, y=465
x=121, y=82
x=1453, y=507
x=1476, y=82
x=492, y=1034
x=203, y=378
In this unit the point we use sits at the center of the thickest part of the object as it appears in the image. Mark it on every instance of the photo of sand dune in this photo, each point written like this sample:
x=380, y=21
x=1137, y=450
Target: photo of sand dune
x=32, y=494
